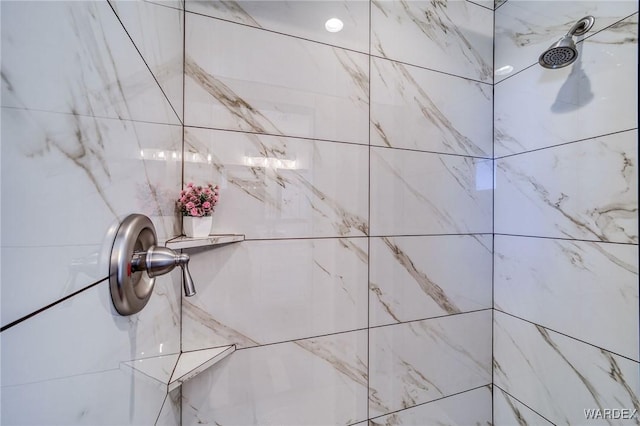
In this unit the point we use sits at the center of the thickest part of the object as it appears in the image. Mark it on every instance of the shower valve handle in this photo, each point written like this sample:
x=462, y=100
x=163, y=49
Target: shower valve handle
x=161, y=260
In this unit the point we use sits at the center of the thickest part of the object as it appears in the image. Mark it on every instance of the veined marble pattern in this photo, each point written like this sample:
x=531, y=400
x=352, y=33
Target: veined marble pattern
x=596, y=95
x=585, y=190
x=157, y=32
x=85, y=334
x=468, y=408
x=560, y=377
x=539, y=280
x=293, y=289
x=508, y=411
x=320, y=381
x=525, y=29
x=281, y=187
x=89, y=173
x=304, y=19
x=270, y=83
x=92, y=68
x=171, y=414
x=416, y=362
x=414, y=278
x=111, y=397
x=424, y=193
x=455, y=37
x=414, y=108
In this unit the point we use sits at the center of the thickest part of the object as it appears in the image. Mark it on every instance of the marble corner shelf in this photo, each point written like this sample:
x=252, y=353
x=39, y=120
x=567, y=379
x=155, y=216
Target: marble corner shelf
x=183, y=242
x=174, y=370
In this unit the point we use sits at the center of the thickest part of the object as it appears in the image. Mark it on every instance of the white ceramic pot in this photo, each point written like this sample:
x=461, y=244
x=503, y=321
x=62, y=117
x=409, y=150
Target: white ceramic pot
x=197, y=227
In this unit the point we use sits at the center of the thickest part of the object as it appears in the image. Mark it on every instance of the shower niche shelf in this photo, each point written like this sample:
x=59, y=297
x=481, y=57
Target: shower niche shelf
x=174, y=370
x=183, y=242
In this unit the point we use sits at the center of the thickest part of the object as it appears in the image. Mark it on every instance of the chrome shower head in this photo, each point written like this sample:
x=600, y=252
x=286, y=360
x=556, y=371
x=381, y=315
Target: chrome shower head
x=563, y=52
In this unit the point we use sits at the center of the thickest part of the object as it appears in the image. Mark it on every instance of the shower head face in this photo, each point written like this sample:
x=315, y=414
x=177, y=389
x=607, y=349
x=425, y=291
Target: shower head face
x=560, y=54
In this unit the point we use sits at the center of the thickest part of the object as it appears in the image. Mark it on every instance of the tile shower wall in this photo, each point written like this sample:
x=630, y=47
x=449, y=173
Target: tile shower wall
x=566, y=218
x=91, y=110
x=363, y=290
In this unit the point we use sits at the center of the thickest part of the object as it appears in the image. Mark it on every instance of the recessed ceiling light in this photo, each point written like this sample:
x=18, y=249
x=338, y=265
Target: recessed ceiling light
x=333, y=25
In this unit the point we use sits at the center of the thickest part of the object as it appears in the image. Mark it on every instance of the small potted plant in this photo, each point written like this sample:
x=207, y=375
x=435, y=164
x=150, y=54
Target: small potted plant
x=196, y=205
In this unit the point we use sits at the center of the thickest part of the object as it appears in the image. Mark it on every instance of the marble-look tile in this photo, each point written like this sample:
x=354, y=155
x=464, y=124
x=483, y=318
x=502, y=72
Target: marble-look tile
x=75, y=58
x=414, y=278
x=88, y=174
x=85, y=335
x=110, y=397
x=265, y=82
x=525, y=29
x=455, y=37
x=467, y=408
x=585, y=190
x=417, y=362
x=304, y=19
x=413, y=108
x=538, y=280
x=596, y=95
x=171, y=414
x=508, y=411
x=158, y=33
x=319, y=381
x=281, y=187
x=424, y=193
x=560, y=377
x=293, y=289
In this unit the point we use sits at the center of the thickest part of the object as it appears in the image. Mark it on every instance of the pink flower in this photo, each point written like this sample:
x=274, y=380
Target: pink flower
x=194, y=212
x=206, y=205
x=190, y=206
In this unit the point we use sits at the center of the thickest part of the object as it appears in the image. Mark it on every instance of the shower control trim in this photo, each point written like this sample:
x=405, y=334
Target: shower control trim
x=136, y=261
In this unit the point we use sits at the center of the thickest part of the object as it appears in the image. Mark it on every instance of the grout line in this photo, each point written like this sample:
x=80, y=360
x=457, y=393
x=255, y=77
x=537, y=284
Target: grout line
x=335, y=333
x=51, y=305
x=568, y=335
x=516, y=399
x=144, y=61
x=493, y=216
x=370, y=59
x=100, y=117
x=564, y=239
x=431, y=401
x=568, y=143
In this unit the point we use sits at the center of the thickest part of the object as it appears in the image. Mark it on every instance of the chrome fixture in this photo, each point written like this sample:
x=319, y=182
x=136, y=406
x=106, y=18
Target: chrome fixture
x=136, y=260
x=563, y=52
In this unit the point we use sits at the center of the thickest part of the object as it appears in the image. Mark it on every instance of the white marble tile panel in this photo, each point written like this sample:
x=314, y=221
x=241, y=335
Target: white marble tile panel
x=76, y=58
x=112, y=397
x=158, y=33
x=270, y=83
x=525, y=29
x=538, y=280
x=467, y=408
x=320, y=381
x=414, y=108
x=508, y=411
x=420, y=361
x=171, y=414
x=85, y=334
x=292, y=289
x=455, y=37
x=595, y=96
x=560, y=377
x=304, y=19
x=88, y=174
x=281, y=187
x=424, y=193
x=585, y=190
x=414, y=278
